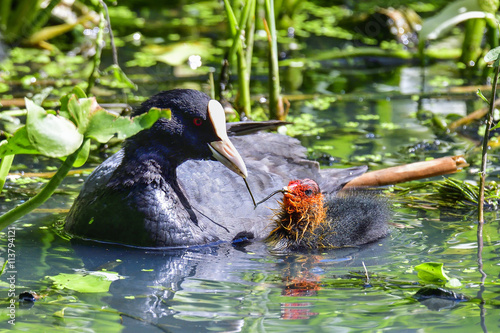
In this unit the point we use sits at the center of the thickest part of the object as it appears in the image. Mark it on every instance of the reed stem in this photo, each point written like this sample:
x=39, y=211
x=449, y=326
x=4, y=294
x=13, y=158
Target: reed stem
x=484, y=159
x=276, y=109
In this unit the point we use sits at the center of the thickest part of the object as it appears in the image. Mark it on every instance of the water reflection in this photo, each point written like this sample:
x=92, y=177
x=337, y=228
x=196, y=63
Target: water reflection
x=244, y=288
x=207, y=288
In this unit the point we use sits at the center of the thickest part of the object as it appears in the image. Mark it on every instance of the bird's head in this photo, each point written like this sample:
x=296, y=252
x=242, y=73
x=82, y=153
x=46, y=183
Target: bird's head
x=197, y=127
x=302, y=195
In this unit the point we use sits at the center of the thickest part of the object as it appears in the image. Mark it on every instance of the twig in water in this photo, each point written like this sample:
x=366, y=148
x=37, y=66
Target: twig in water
x=366, y=274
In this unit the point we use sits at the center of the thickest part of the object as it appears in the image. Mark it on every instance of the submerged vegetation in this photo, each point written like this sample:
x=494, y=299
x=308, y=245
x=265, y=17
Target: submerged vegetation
x=450, y=195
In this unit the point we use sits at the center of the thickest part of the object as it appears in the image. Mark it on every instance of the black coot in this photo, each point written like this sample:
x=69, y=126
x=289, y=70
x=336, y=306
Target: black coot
x=161, y=189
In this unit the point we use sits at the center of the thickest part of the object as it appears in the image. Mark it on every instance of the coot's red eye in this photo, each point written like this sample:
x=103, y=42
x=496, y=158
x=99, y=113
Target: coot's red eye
x=197, y=121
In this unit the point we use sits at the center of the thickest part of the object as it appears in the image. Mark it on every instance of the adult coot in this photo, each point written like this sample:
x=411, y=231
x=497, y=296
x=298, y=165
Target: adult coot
x=160, y=190
x=308, y=219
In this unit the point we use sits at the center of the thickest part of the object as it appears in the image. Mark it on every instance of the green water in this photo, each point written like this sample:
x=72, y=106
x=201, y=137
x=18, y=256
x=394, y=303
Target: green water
x=226, y=288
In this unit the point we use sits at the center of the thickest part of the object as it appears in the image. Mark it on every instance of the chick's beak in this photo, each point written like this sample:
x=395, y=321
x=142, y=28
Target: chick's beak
x=223, y=150
x=290, y=189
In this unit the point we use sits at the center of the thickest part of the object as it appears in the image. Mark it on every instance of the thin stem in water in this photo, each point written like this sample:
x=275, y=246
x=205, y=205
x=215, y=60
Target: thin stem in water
x=276, y=108
x=484, y=159
x=97, y=56
x=480, y=246
x=111, y=37
x=482, y=180
x=26, y=207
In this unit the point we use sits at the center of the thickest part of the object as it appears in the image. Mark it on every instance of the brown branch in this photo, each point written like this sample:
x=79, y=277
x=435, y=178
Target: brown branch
x=19, y=102
x=408, y=172
x=476, y=115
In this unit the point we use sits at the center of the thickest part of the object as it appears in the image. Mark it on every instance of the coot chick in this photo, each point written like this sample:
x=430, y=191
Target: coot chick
x=162, y=189
x=307, y=219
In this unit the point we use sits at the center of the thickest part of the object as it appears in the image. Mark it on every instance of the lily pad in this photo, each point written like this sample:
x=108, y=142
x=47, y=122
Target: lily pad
x=431, y=271
x=173, y=54
x=91, y=282
x=434, y=272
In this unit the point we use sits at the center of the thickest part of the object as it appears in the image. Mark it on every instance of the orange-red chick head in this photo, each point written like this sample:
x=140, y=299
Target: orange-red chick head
x=301, y=195
x=302, y=208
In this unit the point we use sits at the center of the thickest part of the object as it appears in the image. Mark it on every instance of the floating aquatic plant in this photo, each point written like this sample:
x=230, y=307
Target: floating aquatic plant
x=448, y=193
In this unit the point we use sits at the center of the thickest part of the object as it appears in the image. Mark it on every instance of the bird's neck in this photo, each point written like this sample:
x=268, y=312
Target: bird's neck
x=152, y=158
x=162, y=146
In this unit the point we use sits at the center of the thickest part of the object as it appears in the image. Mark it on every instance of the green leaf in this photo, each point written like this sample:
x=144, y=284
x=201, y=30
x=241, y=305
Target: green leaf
x=451, y=15
x=71, y=107
x=480, y=94
x=5, y=164
x=495, y=127
x=3, y=267
x=17, y=144
x=42, y=95
x=92, y=282
x=51, y=135
x=431, y=271
x=60, y=313
x=104, y=125
x=79, y=92
x=492, y=55
x=120, y=76
x=453, y=283
x=57, y=136
x=80, y=110
x=63, y=108
x=83, y=155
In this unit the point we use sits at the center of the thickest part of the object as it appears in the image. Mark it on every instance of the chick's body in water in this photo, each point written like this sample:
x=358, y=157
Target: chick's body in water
x=308, y=220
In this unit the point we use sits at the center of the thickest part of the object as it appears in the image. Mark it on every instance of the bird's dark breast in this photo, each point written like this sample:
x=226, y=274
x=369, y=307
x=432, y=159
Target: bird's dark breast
x=137, y=206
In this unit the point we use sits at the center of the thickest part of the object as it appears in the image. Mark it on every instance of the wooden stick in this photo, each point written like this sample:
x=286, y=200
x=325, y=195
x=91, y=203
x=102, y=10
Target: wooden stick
x=13, y=102
x=476, y=115
x=408, y=172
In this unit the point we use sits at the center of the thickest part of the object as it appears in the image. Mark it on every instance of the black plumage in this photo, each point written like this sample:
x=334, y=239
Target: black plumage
x=310, y=219
x=162, y=190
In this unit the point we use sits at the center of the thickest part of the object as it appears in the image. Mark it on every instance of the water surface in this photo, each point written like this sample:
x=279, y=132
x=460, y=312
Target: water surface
x=227, y=288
